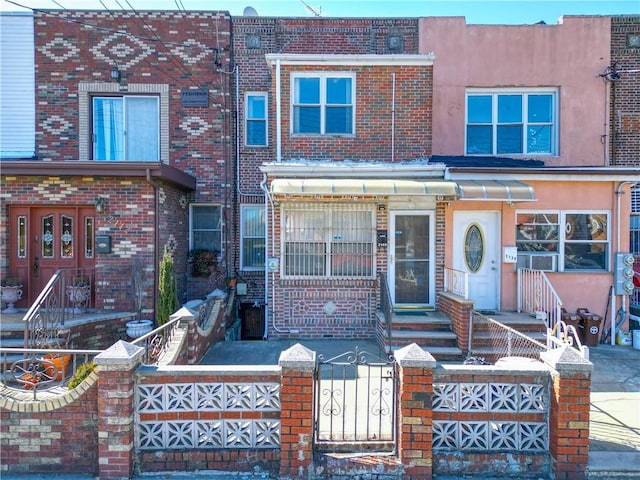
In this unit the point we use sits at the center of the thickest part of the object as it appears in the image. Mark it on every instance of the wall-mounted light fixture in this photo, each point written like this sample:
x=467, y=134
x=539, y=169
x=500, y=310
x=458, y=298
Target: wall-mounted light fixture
x=115, y=74
x=101, y=204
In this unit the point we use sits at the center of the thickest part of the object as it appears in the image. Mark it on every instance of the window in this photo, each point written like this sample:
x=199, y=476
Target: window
x=329, y=240
x=126, y=128
x=252, y=232
x=510, y=122
x=256, y=119
x=206, y=228
x=323, y=104
x=576, y=240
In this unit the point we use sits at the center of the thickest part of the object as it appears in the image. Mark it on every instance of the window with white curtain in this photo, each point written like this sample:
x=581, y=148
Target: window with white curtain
x=329, y=240
x=252, y=233
x=126, y=128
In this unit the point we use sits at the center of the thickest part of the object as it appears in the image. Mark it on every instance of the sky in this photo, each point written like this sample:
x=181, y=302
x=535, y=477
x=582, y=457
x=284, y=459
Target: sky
x=508, y=12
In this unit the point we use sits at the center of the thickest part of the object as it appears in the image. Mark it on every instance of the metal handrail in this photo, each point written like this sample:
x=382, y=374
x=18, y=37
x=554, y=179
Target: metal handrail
x=536, y=295
x=157, y=341
x=386, y=306
x=456, y=282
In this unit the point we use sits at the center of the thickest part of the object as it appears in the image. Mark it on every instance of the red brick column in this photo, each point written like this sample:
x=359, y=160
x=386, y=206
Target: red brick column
x=569, y=414
x=296, y=415
x=415, y=372
x=116, y=382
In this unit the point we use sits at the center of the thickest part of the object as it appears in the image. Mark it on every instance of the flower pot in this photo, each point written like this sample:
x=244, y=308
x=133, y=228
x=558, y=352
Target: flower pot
x=62, y=365
x=138, y=328
x=10, y=295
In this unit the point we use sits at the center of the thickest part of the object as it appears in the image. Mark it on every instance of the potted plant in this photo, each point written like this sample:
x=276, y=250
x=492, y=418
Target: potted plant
x=11, y=292
x=203, y=262
x=79, y=292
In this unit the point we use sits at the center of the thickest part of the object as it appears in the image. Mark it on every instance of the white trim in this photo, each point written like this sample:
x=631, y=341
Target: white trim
x=244, y=207
x=310, y=59
x=353, y=170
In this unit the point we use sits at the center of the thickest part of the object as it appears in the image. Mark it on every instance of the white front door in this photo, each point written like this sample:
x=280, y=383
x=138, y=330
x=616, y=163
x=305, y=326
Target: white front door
x=411, y=258
x=476, y=244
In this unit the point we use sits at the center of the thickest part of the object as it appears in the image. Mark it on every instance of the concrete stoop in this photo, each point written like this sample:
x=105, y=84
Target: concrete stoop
x=350, y=466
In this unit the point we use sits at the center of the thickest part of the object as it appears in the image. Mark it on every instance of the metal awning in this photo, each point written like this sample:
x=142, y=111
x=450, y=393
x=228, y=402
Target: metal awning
x=498, y=190
x=349, y=186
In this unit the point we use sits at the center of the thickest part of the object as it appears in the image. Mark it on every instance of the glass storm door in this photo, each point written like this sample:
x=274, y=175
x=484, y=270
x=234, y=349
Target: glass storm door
x=411, y=251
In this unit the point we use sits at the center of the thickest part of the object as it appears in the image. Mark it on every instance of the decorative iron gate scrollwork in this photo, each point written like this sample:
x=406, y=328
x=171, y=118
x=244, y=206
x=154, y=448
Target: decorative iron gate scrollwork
x=355, y=403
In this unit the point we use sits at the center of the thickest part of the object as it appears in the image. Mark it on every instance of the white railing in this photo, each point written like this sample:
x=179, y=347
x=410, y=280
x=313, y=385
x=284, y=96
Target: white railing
x=563, y=334
x=537, y=297
x=456, y=282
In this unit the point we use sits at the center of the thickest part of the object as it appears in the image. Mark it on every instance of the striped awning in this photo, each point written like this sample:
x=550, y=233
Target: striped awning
x=349, y=186
x=497, y=190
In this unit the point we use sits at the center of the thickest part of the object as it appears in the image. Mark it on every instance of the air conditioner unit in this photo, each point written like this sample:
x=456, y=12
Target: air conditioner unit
x=545, y=262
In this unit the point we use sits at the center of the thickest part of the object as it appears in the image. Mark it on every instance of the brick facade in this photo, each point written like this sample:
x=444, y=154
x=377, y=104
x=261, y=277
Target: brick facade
x=624, y=93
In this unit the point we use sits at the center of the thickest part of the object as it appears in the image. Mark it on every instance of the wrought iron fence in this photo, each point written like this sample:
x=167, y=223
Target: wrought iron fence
x=156, y=343
x=355, y=403
x=41, y=370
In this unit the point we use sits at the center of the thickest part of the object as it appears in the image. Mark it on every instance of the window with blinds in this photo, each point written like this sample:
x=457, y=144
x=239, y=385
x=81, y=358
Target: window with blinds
x=329, y=241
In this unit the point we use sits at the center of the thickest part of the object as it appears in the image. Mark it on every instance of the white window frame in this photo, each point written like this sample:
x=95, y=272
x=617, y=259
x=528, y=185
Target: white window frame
x=328, y=237
x=323, y=76
x=524, y=92
x=243, y=236
x=218, y=228
x=248, y=119
x=560, y=262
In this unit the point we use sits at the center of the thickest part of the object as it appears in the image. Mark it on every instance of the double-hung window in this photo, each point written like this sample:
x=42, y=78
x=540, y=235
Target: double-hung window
x=252, y=232
x=206, y=228
x=511, y=122
x=329, y=241
x=563, y=240
x=323, y=104
x=126, y=128
x=256, y=119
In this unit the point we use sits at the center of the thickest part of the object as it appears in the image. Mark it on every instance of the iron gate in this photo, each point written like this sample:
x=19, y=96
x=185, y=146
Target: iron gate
x=355, y=396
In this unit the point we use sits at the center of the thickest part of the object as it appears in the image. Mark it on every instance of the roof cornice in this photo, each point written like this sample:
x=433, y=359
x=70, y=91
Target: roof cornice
x=341, y=59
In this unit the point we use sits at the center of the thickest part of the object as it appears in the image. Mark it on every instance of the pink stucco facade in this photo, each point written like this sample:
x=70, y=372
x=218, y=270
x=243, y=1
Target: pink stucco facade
x=568, y=56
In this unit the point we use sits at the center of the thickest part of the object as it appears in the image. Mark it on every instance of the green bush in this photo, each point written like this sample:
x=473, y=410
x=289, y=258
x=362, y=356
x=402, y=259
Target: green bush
x=168, y=302
x=82, y=372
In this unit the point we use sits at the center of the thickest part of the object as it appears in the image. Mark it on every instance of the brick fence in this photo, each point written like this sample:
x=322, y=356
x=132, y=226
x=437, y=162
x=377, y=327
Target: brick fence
x=520, y=418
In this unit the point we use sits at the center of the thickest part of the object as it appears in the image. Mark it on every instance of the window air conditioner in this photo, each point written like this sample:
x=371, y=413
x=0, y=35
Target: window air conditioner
x=544, y=262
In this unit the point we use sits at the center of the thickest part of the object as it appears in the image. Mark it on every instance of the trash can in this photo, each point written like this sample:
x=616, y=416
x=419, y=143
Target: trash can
x=634, y=328
x=591, y=327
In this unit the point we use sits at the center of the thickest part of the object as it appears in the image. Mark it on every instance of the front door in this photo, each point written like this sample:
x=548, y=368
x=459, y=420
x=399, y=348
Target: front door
x=44, y=239
x=411, y=262
x=476, y=243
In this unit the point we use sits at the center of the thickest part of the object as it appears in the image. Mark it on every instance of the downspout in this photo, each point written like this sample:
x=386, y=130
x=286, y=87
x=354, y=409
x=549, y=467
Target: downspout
x=619, y=194
x=156, y=243
x=278, y=117
x=268, y=201
x=393, y=117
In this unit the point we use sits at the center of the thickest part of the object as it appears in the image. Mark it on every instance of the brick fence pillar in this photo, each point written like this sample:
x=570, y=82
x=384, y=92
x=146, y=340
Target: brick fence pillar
x=569, y=415
x=115, y=367
x=415, y=417
x=296, y=415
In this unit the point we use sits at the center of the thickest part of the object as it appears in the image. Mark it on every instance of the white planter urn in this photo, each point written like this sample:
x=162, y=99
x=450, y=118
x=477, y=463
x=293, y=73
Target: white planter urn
x=138, y=328
x=10, y=295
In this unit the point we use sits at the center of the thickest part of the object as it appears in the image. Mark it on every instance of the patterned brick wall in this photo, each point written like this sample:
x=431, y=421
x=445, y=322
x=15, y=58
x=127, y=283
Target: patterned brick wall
x=625, y=91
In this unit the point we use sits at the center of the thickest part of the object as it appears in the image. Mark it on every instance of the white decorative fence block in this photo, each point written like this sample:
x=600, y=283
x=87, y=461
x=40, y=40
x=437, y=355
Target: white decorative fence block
x=492, y=434
x=208, y=397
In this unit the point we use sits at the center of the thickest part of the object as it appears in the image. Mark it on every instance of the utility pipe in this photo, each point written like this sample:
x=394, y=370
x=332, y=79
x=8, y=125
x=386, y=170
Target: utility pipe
x=278, y=115
x=393, y=116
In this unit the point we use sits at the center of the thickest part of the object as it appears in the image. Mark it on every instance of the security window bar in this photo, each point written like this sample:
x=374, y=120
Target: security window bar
x=253, y=237
x=256, y=120
x=334, y=241
x=511, y=122
x=126, y=128
x=206, y=228
x=323, y=104
x=580, y=240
